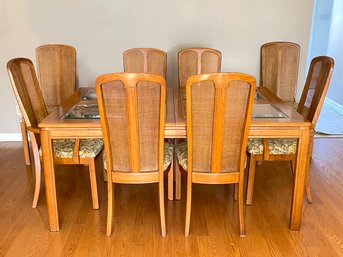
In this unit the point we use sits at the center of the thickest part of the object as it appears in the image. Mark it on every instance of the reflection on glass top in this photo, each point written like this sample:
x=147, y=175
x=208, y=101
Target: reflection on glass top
x=90, y=95
x=267, y=111
x=83, y=111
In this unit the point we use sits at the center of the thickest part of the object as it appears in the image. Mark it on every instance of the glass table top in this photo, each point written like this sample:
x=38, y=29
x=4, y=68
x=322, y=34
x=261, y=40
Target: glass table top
x=83, y=111
x=267, y=111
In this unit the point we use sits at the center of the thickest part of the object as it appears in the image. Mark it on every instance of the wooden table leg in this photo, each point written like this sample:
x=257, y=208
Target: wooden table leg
x=49, y=175
x=299, y=180
x=25, y=139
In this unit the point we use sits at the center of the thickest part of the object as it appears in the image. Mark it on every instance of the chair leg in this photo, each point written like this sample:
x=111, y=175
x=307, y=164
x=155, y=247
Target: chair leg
x=103, y=166
x=177, y=172
x=171, y=181
x=110, y=193
x=94, y=186
x=251, y=179
x=162, y=209
x=188, y=203
x=38, y=178
x=235, y=192
x=308, y=191
x=26, y=147
x=241, y=208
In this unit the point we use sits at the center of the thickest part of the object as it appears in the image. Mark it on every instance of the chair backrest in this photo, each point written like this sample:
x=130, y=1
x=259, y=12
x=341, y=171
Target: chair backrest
x=27, y=91
x=195, y=61
x=219, y=108
x=56, y=65
x=145, y=60
x=279, y=68
x=316, y=86
x=132, y=113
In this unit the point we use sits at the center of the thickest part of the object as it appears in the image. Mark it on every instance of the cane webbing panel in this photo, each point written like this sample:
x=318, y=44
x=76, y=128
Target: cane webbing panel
x=56, y=66
x=279, y=68
x=145, y=60
x=148, y=118
x=236, y=108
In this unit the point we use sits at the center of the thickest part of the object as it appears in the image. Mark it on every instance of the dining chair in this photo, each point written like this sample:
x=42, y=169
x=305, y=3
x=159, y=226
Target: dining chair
x=219, y=108
x=56, y=65
x=279, y=68
x=145, y=60
x=285, y=149
x=132, y=115
x=29, y=97
x=193, y=61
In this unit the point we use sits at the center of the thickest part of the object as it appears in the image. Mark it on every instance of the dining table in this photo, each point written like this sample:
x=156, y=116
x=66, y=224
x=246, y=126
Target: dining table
x=272, y=118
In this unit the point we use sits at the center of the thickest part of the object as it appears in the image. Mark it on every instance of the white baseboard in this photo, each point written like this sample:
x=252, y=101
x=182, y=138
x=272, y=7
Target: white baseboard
x=334, y=105
x=10, y=137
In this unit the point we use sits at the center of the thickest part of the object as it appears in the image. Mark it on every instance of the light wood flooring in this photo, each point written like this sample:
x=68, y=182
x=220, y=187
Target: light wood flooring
x=136, y=229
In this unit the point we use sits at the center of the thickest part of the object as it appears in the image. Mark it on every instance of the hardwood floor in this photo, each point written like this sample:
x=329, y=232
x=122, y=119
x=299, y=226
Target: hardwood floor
x=136, y=230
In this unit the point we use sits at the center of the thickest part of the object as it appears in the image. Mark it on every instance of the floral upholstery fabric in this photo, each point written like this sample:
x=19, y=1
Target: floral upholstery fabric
x=64, y=148
x=182, y=154
x=167, y=157
x=276, y=145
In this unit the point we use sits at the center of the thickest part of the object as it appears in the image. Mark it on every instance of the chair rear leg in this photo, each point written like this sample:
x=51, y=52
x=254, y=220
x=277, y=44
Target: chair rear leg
x=241, y=208
x=110, y=199
x=161, y=200
x=188, y=204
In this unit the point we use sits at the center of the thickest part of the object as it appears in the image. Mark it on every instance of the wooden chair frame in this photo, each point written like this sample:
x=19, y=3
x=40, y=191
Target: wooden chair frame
x=52, y=81
x=222, y=83
x=311, y=114
x=130, y=82
x=34, y=131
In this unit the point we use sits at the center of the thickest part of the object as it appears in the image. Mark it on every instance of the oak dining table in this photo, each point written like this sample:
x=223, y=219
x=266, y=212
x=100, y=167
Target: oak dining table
x=293, y=125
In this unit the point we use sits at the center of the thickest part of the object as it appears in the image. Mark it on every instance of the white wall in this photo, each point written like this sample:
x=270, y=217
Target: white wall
x=335, y=50
x=321, y=24
x=101, y=30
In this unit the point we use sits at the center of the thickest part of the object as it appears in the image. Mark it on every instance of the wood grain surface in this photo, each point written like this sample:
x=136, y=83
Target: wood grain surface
x=136, y=230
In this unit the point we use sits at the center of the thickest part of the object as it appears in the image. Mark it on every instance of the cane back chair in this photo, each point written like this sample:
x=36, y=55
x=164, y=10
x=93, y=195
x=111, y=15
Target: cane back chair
x=145, y=60
x=195, y=61
x=132, y=114
x=56, y=65
x=279, y=68
x=310, y=105
x=32, y=106
x=219, y=108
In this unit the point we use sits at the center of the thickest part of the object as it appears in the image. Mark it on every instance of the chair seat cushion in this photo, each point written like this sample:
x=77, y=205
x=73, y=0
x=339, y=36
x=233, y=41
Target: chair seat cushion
x=64, y=148
x=167, y=157
x=182, y=154
x=276, y=145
